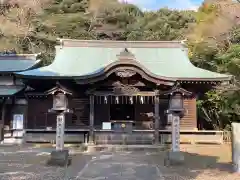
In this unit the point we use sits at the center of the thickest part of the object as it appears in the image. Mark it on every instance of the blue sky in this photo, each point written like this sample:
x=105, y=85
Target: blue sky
x=173, y=4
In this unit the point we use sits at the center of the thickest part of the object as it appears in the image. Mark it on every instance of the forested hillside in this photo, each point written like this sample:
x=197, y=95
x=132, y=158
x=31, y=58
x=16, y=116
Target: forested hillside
x=212, y=34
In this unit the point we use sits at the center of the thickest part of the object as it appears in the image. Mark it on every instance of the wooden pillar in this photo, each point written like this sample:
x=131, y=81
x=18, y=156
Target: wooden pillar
x=3, y=111
x=157, y=118
x=2, y=123
x=91, y=119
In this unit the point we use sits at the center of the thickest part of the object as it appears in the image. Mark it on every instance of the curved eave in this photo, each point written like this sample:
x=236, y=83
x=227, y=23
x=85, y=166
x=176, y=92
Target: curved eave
x=227, y=78
x=35, y=65
x=113, y=67
x=107, y=71
x=127, y=64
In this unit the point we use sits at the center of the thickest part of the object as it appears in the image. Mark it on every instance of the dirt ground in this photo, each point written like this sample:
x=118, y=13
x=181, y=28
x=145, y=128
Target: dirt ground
x=204, y=162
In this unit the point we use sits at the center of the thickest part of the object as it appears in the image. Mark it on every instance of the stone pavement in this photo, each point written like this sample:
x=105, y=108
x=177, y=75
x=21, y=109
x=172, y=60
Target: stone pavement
x=120, y=166
x=30, y=164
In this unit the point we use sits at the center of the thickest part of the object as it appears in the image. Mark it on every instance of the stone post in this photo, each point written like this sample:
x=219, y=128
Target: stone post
x=60, y=131
x=236, y=147
x=174, y=156
x=175, y=133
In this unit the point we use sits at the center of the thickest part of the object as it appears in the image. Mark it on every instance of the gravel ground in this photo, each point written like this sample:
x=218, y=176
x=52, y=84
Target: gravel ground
x=202, y=163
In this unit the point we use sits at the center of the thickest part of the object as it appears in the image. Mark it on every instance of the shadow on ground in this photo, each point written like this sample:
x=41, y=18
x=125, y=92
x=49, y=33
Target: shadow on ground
x=195, y=165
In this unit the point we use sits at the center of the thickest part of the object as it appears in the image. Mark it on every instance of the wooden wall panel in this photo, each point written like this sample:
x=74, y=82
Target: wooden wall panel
x=163, y=106
x=80, y=116
x=101, y=114
x=38, y=116
x=189, y=120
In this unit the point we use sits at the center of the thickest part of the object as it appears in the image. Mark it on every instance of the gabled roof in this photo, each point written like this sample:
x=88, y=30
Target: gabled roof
x=82, y=59
x=17, y=62
x=178, y=89
x=58, y=88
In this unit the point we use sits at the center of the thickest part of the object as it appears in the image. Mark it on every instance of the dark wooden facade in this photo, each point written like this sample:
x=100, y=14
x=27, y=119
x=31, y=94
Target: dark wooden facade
x=38, y=116
x=141, y=109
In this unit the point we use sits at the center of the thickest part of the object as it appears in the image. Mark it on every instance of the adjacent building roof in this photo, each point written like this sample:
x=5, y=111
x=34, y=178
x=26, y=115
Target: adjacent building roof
x=17, y=62
x=10, y=90
x=81, y=59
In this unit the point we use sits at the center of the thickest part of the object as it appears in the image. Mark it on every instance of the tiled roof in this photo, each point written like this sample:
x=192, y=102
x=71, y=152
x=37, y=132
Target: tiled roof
x=10, y=90
x=17, y=62
x=83, y=58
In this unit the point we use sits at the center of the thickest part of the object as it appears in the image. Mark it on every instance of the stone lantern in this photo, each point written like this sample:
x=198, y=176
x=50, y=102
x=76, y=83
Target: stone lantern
x=60, y=107
x=175, y=111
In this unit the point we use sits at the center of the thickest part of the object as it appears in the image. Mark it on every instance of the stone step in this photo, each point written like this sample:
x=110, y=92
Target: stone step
x=12, y=141
x=114, y=148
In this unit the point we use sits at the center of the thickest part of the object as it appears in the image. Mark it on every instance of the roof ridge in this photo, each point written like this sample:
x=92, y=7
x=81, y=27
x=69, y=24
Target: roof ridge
x=120, y=44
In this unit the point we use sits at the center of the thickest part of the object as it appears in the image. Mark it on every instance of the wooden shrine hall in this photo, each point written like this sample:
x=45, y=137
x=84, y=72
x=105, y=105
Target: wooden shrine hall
x=116, y=91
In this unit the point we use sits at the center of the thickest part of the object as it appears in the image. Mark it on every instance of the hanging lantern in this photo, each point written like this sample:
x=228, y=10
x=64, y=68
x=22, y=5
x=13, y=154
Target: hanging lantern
x=176, y=102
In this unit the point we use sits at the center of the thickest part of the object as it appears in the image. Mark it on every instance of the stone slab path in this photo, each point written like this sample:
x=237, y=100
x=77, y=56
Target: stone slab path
x=120, y=166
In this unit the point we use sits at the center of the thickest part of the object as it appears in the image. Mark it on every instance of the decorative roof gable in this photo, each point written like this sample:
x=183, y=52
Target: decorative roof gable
x=125, y=55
